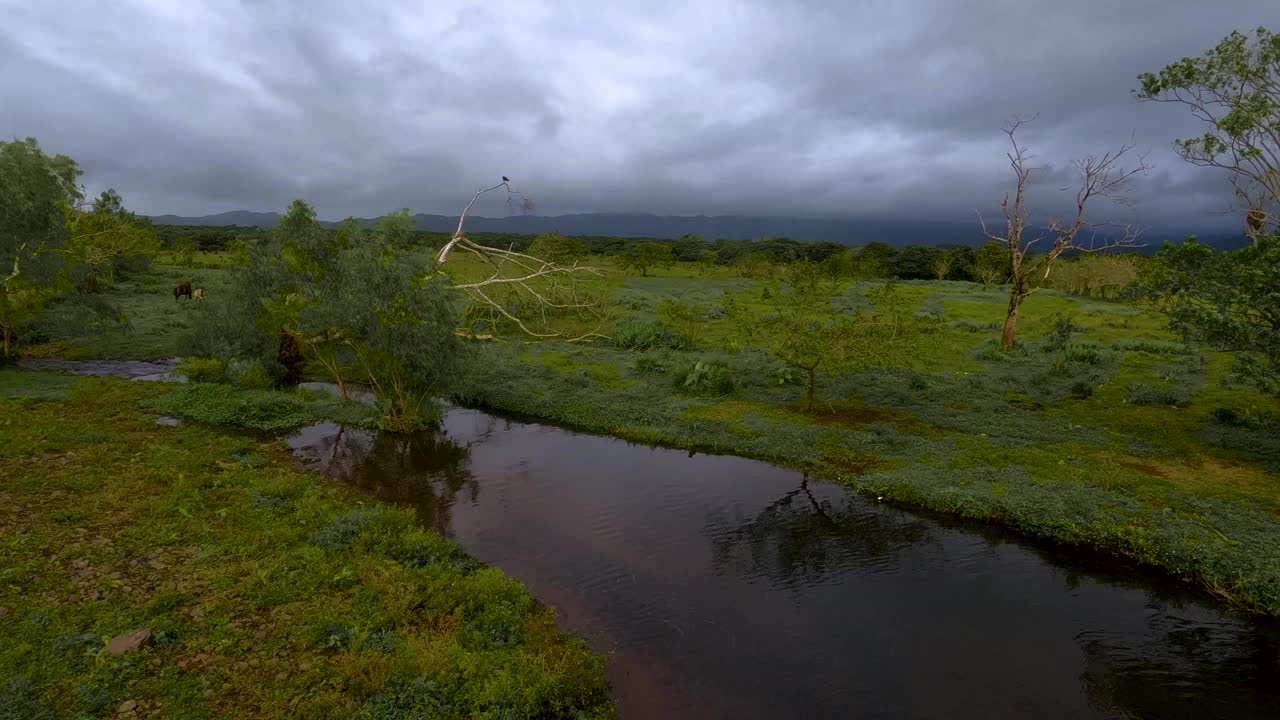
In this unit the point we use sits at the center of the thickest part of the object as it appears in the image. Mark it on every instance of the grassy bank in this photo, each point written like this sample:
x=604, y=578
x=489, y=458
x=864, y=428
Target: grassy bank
x=266, y=592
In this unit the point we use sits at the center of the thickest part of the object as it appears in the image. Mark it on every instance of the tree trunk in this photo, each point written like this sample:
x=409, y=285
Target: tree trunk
x=811, y=393
x=1011, y=320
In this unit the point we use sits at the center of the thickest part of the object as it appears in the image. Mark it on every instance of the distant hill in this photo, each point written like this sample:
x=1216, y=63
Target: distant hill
x=735, y=227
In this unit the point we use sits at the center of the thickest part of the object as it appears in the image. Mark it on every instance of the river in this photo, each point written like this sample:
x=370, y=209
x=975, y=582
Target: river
x=721, y=587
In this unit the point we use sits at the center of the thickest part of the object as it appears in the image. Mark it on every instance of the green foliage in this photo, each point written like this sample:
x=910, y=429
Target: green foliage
x=1228, y=301
x=185, y=249
x=349, y=303
x=647, y=255
x=992, y=265
x=202, y=369
x=634, y=333
x=1155, y=396
x=686, y=318
x=1235, y=88
x=265, y=410
x=704, y=378
x=557, y=248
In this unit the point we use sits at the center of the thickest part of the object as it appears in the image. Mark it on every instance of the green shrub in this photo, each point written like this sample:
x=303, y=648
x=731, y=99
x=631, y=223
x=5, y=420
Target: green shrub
x=1155, y=347
x=1087, y=354
x=704, y=378
x=645, y=334
x=1081, y=390
x=250, y=374
x=202, y=369
x=1150, y=395
x=787, y=376
x=974, y=326
x=649, y=365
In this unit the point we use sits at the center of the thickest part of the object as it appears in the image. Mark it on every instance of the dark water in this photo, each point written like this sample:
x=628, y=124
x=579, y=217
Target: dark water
x=161, y=370
x=726, y=588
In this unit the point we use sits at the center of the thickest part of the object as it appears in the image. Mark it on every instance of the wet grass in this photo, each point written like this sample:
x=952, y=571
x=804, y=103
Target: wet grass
x=268, y=593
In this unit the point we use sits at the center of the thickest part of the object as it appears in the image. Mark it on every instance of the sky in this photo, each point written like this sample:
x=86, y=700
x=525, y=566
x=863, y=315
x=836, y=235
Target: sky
x=843, y=108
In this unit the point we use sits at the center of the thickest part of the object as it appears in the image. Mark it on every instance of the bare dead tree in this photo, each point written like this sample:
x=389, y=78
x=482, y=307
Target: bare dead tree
x=1100, y=177
x=525, y=280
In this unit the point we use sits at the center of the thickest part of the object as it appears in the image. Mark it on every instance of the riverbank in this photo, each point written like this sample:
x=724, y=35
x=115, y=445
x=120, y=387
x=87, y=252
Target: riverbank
x=1096, y=472
x=189, y=571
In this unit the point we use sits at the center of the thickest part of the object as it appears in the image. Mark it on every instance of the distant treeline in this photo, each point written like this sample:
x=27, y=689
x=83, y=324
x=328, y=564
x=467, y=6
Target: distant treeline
x=912, y=262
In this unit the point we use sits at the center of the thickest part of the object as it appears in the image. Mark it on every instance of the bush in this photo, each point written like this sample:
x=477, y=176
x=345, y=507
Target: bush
x=250, y=374
x=714, y=312
x=1155, y=347
x=974, y=326
x=704, y=378
x=649, y=365
x=1149, y=395
x=787, y=376
x=641, y=334
x=202, y=369
x=1087, y=354
x=1081, y=390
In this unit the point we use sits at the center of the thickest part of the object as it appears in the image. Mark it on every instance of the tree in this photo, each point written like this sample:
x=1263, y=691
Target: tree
x=1229, y=301
x=942, y=262
x=872, y=261
x=707, y=261
x=184, y=250
x=991, y=265
x=1100, y=177
x=103, y=235
x=396, y=229
x=688, y=248
x=803, y=334
x=35, y=191
x=557, y=248
x=913, y=262
x=646, y=255
x=1235, y=89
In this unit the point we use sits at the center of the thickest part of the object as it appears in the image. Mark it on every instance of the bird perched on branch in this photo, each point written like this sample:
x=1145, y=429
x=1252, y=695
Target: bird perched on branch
x=506, y=179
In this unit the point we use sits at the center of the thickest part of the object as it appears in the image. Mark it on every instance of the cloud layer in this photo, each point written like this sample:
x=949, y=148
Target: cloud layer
x=880, y=108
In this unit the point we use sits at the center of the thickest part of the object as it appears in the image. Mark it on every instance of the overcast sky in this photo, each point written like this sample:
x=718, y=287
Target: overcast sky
x=839, y=107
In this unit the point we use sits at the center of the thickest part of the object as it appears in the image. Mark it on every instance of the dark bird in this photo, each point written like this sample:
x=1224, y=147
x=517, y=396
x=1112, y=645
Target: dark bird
x=506, y=179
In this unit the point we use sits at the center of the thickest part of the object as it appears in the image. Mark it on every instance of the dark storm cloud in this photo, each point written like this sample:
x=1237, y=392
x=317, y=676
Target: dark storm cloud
x=888, y=109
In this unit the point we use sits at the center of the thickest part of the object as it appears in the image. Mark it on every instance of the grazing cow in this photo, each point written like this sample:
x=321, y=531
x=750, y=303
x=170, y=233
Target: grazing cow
x=198, y=293
x=184, y=288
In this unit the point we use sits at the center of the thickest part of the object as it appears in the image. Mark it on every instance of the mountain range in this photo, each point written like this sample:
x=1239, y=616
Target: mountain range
x=737, y=227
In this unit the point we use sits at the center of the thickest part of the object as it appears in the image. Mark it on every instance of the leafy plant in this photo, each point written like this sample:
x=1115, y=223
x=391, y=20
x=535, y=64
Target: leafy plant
x=704, y=378
x=202, y=369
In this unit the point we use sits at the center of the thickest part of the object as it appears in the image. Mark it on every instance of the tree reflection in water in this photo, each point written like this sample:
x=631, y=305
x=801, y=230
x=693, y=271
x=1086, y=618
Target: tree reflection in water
x=1188, y=663
x=799, y=540
x=426, y=470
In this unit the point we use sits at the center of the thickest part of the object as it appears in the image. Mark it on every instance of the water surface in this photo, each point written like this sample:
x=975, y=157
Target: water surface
x=721, y=587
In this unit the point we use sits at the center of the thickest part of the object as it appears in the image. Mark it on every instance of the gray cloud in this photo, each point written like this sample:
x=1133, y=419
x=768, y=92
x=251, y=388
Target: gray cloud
x=885, y=109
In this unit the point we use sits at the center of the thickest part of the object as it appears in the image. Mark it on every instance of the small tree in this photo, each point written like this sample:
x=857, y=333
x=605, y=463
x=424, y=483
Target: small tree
x=991, y=266
x=558, y=248
x=647, y=255
x=685, y=317
x=1229, y=301
x=707, y=261
x=184, y=250
x=35, y=191
x=1235, y=89
x=942, y=262
x=806, y=337
x=1099, y=177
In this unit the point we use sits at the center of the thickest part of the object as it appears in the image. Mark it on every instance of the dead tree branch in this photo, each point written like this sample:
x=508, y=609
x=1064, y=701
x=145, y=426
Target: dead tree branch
x=547, y=285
